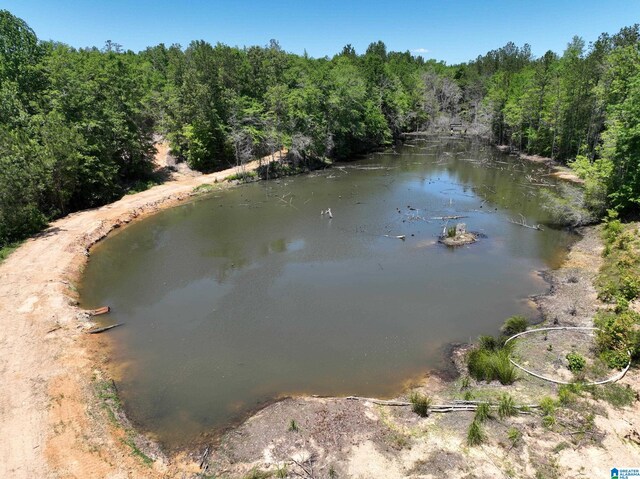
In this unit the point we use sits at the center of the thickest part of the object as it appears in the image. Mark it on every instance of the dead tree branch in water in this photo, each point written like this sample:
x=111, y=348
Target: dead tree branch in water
x=522, y=222
x=400, y=237
x=444, y=218
x=106, y=328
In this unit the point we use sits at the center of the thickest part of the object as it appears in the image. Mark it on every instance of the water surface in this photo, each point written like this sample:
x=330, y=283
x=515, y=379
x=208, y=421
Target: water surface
x=251, y=293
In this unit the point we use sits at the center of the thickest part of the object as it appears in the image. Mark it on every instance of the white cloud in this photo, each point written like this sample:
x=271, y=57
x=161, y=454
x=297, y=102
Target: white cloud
x=419, y=50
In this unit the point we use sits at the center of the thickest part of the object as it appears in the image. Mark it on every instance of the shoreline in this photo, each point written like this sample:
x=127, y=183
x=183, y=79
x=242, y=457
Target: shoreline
x=558, y=170
x=53, y=368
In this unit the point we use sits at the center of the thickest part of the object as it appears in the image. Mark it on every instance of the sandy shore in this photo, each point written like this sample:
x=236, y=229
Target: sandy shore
x=559, y=171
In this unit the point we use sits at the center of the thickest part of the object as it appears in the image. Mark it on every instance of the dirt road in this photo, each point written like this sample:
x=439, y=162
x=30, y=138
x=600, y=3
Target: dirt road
x=48, y=424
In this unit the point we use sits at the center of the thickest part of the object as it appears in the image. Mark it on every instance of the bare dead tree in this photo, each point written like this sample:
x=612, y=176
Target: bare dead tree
x=299, y=145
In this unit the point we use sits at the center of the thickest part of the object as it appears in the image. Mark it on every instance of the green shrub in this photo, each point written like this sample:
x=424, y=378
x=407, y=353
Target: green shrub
x=625, y=241
x=629, y=287
x=451, y=232
x=566, y=395
x=612, y=227
x=475, y=435
x=615, y=359
x=514, y=325
x=548, y=406
x=576, y=362
x=420, y=403
x=617, y=337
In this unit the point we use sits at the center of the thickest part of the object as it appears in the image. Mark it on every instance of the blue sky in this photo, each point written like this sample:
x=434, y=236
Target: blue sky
x=453, y=31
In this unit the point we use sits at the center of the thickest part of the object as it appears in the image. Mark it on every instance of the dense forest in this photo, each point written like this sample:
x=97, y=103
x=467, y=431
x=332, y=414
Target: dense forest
x=77, y=126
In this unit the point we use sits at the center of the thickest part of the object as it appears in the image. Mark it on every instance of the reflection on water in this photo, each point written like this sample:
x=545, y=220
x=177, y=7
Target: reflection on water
x=237, y=298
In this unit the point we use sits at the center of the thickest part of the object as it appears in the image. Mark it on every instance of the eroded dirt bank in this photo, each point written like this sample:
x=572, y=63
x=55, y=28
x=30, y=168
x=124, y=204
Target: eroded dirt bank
x=54, y=423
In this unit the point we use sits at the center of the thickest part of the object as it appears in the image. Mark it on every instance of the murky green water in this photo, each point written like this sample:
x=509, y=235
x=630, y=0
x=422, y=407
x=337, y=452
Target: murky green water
x=249, y=294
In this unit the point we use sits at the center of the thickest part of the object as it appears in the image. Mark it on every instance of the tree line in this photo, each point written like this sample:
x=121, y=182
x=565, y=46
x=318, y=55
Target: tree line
x=77, y=126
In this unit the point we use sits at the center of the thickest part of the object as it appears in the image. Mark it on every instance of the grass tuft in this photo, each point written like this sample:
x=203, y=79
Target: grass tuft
x=420, y=403
x=475, y=434
x=506, y=407
x=256, y=473
x=489, y=364
x=615, y=394
x=515, y=436
x=483, y=412
x=514, y=325
x=293, y=426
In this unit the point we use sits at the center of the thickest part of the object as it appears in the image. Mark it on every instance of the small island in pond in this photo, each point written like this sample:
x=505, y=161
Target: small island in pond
x=457, y=235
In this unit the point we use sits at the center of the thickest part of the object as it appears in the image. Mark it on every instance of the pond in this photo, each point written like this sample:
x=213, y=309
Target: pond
x=249, y=294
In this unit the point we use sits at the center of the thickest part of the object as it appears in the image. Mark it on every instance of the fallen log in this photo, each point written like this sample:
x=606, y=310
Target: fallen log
x=453, y=217
x=99, y=311
x=523, y=223
x=456, y=406
x=102, y=330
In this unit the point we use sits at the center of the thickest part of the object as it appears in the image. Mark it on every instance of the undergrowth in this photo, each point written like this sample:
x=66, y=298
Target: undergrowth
x=243, y=176
x=6, y=250
x=618, y=283
x=288, y=167
x=204, y=189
